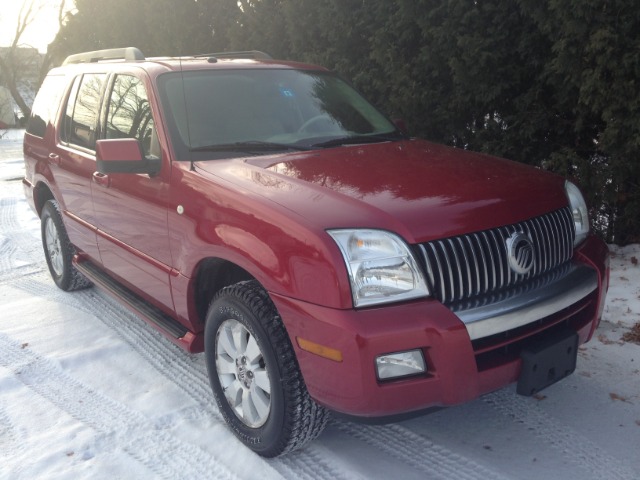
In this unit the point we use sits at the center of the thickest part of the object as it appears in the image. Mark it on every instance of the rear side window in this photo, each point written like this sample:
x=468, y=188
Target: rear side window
x=45, y=107
x=82, y=111
x=129, y=114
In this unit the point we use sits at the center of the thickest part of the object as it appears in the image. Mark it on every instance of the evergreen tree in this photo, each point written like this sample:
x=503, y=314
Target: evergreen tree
x=550, y=83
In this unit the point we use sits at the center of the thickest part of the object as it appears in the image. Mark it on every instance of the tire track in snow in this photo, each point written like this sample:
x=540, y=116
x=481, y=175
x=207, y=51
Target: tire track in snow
x=7, y=251
x=18, y=248
x=164, y=455
x=190, y=377
x=421, y=453
x=313, y=461
x=8, y=224
x=177, y=366
x=575, y=447
x=10, y=268
x=8, y=438
x=8, y=217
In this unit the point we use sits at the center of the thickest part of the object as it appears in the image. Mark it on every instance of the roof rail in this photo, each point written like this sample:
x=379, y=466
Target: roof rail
x=253, y=54
x=129, y=53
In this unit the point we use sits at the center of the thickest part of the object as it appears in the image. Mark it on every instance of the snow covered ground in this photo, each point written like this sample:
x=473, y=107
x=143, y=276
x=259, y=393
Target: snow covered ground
x=88, y=391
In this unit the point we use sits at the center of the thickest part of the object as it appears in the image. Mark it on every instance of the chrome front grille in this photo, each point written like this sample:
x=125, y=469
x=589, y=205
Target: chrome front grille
x=474, y=265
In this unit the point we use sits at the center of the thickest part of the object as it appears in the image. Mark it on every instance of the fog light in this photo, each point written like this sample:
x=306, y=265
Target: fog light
x=400, y=364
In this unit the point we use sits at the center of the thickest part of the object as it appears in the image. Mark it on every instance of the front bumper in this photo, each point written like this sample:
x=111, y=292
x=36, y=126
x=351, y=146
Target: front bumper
x=527, y=306
x=461, y=364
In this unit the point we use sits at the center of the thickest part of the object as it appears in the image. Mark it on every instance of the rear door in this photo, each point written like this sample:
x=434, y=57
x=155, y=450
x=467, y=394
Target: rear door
x=73, y=160
x=131, y=209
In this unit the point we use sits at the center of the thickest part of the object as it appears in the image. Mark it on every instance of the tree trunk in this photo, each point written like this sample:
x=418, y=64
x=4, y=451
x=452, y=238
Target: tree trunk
x=11, y=84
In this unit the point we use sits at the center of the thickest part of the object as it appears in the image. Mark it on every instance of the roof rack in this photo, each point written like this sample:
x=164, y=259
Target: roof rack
x=129, y=53
x=251, y=54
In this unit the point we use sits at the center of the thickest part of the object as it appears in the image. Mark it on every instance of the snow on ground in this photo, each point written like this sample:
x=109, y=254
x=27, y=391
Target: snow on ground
x=88, y=391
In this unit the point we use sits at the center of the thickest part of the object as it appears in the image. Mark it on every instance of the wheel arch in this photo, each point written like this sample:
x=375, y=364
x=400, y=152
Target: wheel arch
x=212, y=275
x=41, y=195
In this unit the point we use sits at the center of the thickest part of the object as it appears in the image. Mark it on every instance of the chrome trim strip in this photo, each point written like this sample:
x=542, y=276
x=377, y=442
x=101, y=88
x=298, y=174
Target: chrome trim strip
x=478, y=242
x=460, y=291
x=528, y=307
x=469, y=285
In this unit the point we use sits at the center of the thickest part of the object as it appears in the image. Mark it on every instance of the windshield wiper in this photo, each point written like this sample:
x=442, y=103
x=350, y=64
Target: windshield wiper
x=358, y=139
x=250, y=146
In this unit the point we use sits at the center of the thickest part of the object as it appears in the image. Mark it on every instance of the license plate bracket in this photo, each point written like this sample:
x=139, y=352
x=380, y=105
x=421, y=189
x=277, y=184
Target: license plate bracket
x=547, y=361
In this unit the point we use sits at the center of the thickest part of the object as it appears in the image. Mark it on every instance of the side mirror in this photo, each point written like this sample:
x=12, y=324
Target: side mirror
x=124, y=155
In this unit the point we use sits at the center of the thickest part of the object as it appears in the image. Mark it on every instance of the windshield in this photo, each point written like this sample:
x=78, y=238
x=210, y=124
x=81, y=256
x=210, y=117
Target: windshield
x=218, y=114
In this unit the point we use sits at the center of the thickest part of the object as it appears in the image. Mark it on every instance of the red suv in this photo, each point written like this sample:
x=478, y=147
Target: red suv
x=265, y=213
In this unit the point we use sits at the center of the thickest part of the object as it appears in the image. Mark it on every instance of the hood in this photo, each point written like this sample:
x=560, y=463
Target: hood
x=418, y=189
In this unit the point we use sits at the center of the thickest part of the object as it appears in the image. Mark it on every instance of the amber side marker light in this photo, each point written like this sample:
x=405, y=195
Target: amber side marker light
x=320, y=350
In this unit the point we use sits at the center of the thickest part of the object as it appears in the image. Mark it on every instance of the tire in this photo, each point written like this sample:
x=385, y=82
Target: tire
x=58, y=250
x=254, y=373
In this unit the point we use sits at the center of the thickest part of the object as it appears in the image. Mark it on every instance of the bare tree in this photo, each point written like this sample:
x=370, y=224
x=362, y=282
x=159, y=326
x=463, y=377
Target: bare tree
x=47, y=60
x=15, y=60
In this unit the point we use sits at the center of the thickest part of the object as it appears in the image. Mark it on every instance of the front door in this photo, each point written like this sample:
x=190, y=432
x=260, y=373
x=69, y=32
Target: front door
x=131, y=209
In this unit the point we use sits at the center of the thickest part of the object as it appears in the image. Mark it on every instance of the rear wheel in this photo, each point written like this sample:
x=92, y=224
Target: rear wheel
x=254, y=374
x=58, y=250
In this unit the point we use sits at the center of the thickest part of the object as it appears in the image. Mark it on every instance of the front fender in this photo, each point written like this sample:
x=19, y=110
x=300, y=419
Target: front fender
x=280, y=249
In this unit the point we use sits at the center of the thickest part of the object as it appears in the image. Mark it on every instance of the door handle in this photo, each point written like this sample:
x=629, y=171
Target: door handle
x=55, y=158
x=102, y=179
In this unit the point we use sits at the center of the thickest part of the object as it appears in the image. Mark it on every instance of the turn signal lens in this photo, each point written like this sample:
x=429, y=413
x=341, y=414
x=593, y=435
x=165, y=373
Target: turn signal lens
x=320, y=350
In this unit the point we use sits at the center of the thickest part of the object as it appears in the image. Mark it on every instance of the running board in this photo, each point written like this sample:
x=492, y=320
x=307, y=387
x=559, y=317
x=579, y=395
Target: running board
x=139, y=305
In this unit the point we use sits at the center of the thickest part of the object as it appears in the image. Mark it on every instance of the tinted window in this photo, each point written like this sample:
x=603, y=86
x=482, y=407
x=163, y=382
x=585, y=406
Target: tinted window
x=46, y=104
x=284, y=106
x=82, y=130
x=65, y=134
x=129, y=114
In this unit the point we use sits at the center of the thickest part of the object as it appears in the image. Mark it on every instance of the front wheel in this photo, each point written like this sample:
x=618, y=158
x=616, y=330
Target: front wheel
x=58, y=250
x=254, y=374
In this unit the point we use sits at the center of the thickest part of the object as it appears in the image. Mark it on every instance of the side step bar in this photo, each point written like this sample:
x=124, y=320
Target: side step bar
x=140, y=306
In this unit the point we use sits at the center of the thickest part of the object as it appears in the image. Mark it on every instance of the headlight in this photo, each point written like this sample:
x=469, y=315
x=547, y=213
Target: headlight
x=578, y=211
x=380, y=265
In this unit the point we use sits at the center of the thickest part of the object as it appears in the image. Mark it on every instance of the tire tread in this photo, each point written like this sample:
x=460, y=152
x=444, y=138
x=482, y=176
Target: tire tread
x=304, y=419
x=72, y=279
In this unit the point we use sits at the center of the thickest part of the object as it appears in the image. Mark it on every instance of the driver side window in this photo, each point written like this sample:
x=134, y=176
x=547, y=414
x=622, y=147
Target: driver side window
x=129, y=114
